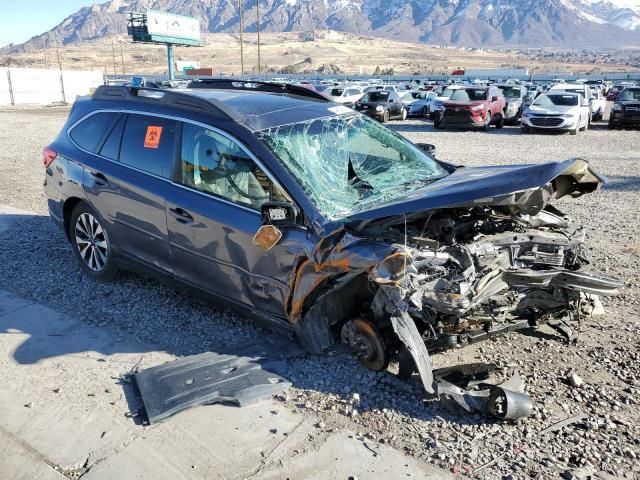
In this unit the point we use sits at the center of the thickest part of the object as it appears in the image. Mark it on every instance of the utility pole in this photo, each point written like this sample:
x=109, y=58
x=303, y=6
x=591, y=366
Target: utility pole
x=64, y=97
x=113, y=55
x=122, y=58
x=258, y=30
x=241, y=42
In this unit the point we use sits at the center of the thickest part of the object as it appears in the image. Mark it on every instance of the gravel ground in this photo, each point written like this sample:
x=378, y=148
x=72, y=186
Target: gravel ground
x=36, y=262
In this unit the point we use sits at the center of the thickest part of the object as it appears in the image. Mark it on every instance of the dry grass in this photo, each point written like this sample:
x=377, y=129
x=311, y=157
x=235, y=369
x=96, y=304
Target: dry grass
x=307, y=52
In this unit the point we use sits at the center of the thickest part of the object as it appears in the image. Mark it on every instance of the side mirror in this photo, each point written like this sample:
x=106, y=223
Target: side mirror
x=391, y=100
x=278, y=213
x=427, y=148
x=274, y=215
x=494, y=99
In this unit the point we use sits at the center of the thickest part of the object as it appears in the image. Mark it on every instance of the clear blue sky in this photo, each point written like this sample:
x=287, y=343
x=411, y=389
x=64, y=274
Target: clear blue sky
x=22, y=19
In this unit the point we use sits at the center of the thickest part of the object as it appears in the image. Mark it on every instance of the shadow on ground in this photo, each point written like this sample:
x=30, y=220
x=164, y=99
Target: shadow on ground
x=44, y=270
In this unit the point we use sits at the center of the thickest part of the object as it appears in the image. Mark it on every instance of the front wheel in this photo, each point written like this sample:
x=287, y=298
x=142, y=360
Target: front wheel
x=500, y=122
x=487, y=125
x=385, y=116
x=91, y=243
x=425, y=112
x=576, y=129
x=525, y=129
x=404, y=114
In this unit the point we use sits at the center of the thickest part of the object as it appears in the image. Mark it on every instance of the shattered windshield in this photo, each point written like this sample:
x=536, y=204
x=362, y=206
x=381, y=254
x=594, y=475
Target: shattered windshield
x=349, y=164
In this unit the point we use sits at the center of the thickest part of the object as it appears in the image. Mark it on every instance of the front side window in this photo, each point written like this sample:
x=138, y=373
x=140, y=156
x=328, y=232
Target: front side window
x=213, y=163
x=348, y=164
x=148, y=143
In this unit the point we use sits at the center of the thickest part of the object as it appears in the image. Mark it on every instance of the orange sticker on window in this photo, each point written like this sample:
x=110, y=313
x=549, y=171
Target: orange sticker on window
x=152, y=138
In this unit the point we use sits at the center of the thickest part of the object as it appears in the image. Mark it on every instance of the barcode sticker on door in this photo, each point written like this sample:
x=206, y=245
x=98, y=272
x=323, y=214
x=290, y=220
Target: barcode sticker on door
x=152, y=138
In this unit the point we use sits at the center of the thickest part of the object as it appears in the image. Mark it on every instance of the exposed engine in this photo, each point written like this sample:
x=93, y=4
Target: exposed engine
x=488, y=272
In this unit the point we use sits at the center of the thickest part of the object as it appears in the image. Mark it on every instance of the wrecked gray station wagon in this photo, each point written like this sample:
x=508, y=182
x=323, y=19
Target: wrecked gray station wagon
x=319, y=220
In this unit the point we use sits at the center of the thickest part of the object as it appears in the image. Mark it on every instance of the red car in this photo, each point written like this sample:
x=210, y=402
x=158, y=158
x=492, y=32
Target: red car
x=612, y=96
x=474, y=107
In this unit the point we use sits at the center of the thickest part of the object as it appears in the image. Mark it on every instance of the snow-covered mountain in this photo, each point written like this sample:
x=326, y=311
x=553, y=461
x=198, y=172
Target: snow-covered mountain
x=533, y=23
x=622, y=13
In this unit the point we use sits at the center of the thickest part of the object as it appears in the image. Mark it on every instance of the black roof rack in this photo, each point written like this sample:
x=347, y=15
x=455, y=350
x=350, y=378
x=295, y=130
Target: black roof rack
x=256, y=86
x=167, y=97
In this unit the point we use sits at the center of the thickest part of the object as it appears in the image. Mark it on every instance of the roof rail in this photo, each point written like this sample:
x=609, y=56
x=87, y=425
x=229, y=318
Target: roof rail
x=166, y=97
x=256, y=86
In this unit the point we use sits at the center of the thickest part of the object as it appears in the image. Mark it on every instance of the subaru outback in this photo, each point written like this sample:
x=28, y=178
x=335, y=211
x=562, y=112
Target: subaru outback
x=318, y=220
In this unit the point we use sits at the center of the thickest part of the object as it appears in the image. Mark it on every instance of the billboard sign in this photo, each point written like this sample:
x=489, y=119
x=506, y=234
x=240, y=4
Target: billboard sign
x=163, y=27
x=163, y=24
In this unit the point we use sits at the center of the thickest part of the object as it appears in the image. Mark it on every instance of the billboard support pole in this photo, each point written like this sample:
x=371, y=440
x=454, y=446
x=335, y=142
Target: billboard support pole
x=170, y=61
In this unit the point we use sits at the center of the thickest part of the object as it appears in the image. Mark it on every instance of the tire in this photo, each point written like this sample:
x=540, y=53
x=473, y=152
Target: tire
x=577, y=129
x=525, y=129
x=91, y=243
x=487, y=126
x=500, y=123
x=437, y=123
x=404, y=114
x=586, y=126
x=425, y=112
x=611, y=125
x=385, y=116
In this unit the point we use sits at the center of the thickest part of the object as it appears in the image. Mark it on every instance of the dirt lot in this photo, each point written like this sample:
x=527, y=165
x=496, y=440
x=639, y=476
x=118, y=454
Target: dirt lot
x=37, y=263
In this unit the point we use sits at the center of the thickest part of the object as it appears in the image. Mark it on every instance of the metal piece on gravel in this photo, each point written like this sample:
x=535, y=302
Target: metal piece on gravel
x=506, y=401
x=509, y=405
x=204, y=379
x=563, y=423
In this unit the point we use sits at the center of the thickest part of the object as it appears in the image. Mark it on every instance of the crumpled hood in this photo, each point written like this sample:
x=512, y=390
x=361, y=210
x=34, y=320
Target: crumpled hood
x=525, y=187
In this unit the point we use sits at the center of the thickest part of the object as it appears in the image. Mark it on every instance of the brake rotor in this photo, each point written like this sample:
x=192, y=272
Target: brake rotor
x=365, y=341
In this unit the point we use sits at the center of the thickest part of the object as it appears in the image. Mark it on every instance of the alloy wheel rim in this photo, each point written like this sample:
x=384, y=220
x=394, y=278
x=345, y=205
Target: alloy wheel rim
x=92, y=242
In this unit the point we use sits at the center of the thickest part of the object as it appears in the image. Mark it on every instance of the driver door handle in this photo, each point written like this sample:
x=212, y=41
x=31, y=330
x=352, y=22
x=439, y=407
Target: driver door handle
x=181, y=215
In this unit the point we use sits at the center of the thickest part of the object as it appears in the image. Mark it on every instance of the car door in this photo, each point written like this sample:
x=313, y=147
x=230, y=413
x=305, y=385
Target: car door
x=125, y=182
x=213, y=213
x=395, y=105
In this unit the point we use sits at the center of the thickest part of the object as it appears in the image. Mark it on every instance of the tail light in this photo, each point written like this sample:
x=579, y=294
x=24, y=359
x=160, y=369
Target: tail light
x=48, y=156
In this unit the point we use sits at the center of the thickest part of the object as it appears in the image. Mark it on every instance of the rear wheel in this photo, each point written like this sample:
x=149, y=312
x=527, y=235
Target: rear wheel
x=91, y=243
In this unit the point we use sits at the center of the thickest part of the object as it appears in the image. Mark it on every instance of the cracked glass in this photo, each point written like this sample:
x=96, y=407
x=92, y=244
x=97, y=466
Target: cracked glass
x=350, y=163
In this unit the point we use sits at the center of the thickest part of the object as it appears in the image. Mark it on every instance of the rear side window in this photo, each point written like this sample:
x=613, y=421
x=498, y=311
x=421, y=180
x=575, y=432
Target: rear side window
x=89, y=133
x=111, y=146
x=147, y=144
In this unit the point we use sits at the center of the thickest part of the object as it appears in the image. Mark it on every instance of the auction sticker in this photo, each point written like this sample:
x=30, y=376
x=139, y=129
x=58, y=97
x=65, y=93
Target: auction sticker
x=152, y=138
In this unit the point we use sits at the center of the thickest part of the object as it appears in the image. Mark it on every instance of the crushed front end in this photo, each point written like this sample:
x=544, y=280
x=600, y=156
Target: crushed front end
x=408, y=285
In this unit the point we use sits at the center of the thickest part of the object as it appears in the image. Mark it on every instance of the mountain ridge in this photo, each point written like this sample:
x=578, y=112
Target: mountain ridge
x=475, y=23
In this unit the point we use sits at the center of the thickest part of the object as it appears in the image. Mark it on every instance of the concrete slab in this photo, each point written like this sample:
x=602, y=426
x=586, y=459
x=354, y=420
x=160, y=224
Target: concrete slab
x=63, y=406
x=341, y=455
x=21, y=463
